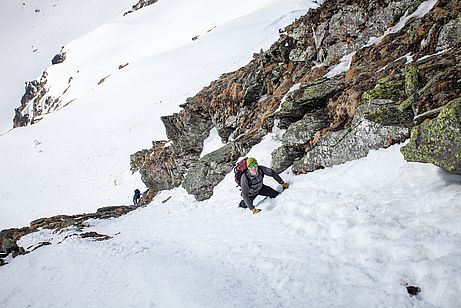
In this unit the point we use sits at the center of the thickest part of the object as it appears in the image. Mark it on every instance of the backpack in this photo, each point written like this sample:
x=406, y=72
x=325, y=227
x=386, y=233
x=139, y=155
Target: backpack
x=239, y=169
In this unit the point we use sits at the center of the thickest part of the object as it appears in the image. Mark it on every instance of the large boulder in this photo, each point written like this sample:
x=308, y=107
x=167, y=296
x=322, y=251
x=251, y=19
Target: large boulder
x=438, y=141
x=296, y=137
x=188, y=128
x=310, y=96
x=58, y=58
x=450, y=35
x=350, y=144
x=209, y=171
x=159, y=168
x=303, y=130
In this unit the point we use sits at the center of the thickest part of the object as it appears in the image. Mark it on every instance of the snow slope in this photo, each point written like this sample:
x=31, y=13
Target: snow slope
x=33, y=31
x=77, y=159
x=347, y=236
x=333, y=239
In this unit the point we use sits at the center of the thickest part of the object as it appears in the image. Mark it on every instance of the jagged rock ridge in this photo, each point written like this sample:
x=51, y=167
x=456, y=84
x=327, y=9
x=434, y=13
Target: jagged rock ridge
x=389, y=88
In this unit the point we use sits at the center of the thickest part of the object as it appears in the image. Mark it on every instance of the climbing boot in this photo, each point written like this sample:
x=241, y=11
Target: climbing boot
x=255, y=210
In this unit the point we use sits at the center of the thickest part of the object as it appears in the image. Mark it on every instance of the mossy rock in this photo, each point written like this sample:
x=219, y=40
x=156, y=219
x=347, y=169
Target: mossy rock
x=411, y=73
x=391, y=115
x=438, y=141
x=387, y=88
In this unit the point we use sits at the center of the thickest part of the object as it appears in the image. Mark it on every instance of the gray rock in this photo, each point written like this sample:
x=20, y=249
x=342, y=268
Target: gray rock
x=438, y=141
x=284, y=156
x=294, y=140
x=58, y=58
x=450, y=35
x=298, y=55
x=209, y=171
x=308, y=98
x=348, y=22
x=300, y=132
x=140, y=5
x=188, y=128
x=350, y=144
x=160, y=169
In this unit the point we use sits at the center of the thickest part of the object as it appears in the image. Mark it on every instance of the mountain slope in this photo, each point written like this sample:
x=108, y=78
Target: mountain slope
x=77, y=159
x=33, y=32
x=351, y=235
x=333, y=239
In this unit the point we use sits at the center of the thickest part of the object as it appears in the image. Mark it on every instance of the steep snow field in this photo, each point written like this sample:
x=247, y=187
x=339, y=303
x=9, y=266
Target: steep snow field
x=348, y=236
x=33, y=31
x=77, y=159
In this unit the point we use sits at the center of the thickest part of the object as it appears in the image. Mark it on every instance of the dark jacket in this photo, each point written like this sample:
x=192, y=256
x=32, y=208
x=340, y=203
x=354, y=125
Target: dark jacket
x=251, y=185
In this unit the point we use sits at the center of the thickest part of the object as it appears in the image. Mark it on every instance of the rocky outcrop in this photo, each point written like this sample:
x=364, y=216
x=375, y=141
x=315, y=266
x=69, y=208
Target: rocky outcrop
x=9, y=237
x=386, y=89
x=34, y=103
x=159, y=168
x=438, y=141
x=140, y=5
x=59, y=58
x=327, y=120
x=346, y=145
x=29, y=110
x=209, y=170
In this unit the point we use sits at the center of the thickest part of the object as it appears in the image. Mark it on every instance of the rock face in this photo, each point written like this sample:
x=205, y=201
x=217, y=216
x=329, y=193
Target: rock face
x=58, y=58
x=438, y=141
x=346, y=145
x=35, y=103
x=140, y=5
x=158, y=167
x=387, y=88
x=32, y=107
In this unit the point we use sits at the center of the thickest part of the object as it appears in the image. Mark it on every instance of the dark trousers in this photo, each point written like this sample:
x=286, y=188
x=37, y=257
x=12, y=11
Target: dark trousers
x=265, y=191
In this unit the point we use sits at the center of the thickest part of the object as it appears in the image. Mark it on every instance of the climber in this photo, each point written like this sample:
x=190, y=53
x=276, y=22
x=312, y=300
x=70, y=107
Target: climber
x=136, y=197
x=252, y=183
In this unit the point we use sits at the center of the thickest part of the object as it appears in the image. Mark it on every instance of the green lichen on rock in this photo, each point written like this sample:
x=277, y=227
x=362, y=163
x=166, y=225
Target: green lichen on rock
x=390, y=115
x=406, y=104
x=309, y=93
x=438, y=141
x=411, y=74
x=386, y=88
x=411, y=79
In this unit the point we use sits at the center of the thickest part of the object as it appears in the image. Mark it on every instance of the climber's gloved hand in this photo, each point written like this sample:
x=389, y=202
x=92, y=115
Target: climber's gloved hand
x=285, y=185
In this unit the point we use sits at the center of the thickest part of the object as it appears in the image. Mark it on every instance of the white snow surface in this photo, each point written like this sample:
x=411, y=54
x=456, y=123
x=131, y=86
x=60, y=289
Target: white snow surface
x=33, y=31
x=212, y=143
x=348, y=236
x=77, y=159
x=343, y=66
